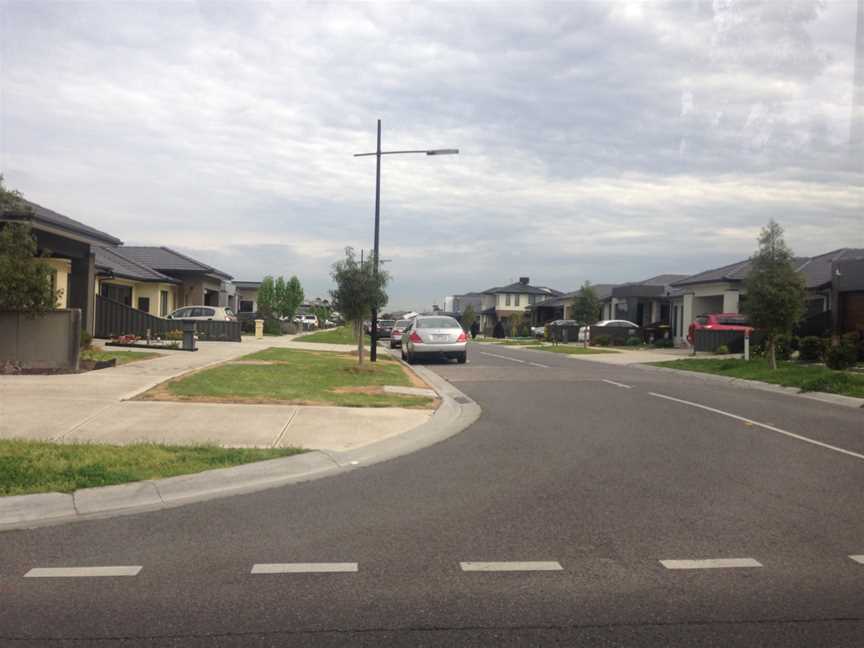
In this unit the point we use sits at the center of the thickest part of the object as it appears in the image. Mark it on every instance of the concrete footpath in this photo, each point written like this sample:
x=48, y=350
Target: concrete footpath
x=93, y=407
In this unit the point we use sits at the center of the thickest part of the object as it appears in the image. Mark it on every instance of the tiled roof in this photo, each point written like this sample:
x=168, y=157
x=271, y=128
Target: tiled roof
x=111, y=260
x=165, y=259
x=603, y=291
x=523, y=289
x=46, y=216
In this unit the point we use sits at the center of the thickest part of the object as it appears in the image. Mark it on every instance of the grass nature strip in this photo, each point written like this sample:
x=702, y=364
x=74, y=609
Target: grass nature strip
x=303, y=377
x=39, y=467
x=338, y=335
x=122, y=357
x=806, y=377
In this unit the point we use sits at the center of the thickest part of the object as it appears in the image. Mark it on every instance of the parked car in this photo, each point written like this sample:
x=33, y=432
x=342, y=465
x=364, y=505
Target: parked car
x=633, y=330
x=396, y=334
x=538, y=331
x=657, y=331
x=204, y=313
x=385, y=327
x=306, y=321
x=719, y=322
x=434, y=335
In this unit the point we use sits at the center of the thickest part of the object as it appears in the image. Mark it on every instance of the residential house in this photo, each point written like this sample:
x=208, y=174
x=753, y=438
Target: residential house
x=458, y=303
x=835, y=292
x=499, y=304
x=134, y=284
x=642, y=302
x=561, y=307
x=71, y=246
x=246, y=296
x=197, y=282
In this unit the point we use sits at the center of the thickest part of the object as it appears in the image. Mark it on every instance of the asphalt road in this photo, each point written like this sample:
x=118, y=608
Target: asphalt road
x=583, y=466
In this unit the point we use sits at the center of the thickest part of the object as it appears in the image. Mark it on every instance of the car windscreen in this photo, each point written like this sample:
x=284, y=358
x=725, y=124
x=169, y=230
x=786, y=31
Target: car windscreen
x=402, y=324
x=733, y=320
x=385, y=322
x=437, y=323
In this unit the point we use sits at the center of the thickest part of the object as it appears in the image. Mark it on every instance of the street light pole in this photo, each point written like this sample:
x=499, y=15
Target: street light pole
x=373, y=352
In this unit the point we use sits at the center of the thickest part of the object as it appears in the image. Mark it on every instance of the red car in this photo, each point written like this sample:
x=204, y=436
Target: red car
x=719, y=322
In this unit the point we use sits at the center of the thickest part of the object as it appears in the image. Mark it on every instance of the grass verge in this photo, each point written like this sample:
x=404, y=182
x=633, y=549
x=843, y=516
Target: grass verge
x=338, y=335
x=298, y=377
x=788, y=374
x=40, y=467
x=122, y=357
x=573, y=349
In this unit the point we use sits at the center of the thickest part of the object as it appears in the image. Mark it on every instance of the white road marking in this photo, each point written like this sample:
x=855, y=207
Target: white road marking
x=303, y=568
x=617, y=384
x=495, y=355
x=711, y=563
x=858, y=559
x=763, y=425
x=82, y=572
x=537, y=364
x=510, y=566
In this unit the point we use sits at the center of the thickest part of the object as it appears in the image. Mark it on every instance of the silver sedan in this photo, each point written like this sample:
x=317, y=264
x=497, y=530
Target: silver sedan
x=434, y=335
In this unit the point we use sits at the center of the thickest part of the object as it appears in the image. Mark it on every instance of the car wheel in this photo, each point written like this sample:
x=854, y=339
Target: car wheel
x=411, y=359
x=462, y=358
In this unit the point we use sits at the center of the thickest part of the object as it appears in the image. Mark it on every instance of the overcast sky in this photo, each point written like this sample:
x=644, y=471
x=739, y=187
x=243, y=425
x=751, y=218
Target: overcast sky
x=599, y=140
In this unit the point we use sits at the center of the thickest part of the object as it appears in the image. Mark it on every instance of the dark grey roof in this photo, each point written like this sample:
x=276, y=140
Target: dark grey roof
x=524, y=289
x=40, y=214
x=603, y=291
x=111, y=261
x=661, y=280
x=246, y=284
x=165, y=259
x=816, y=270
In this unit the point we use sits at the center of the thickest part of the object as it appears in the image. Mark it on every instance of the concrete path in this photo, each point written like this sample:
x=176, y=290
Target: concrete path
x=92, y=407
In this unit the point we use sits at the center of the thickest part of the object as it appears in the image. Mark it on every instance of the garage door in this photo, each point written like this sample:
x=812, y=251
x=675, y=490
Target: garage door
x=852, y=311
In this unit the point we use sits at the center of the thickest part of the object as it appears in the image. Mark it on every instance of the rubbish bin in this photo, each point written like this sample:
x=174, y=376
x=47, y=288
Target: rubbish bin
x=259, y=328
x=189, y=336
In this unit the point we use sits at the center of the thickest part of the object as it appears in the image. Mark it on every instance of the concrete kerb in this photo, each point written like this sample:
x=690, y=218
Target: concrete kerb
x=832, y=399
x=454, y=415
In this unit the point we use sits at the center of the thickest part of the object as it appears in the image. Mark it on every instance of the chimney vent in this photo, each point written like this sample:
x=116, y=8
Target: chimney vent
x=523, y=280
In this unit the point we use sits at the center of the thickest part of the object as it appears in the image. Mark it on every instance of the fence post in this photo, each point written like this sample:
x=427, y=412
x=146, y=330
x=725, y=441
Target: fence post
x=747, y=345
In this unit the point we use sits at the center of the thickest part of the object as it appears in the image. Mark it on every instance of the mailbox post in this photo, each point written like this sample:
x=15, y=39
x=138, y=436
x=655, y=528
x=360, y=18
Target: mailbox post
x=189, y=336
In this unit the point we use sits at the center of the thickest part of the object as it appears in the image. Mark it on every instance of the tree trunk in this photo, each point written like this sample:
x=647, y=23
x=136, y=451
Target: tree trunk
x=359, y=327
x=772, y=355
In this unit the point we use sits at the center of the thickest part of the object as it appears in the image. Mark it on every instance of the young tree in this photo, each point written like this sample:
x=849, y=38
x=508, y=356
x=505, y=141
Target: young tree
x=267, y=297
x=586, y=307
x=25, y=278
x=293, y=296
x=280, y=297
x=516, y=321
x=358, y=291
x=776, y=292
x=468, y=317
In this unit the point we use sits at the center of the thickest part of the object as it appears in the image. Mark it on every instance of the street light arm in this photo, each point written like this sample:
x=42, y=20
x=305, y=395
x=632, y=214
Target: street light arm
x=426, y=151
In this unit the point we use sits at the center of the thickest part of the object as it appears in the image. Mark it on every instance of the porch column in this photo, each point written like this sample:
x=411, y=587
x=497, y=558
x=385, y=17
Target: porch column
x=688, y=314
x=82, y=284
x=730, y=301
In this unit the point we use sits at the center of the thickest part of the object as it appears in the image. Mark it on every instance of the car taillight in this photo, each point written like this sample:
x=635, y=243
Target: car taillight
x=462, y=337
x=415, y=338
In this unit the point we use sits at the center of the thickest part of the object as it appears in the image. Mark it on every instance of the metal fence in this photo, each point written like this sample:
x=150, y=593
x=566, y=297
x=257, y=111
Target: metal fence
x=114, y=318
x=708, y=340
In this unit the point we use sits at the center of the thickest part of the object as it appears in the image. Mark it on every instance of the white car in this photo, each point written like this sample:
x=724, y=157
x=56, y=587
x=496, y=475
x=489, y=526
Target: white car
x=583, y=330
x=434, y=335
x=306, y=320
x=203, y=313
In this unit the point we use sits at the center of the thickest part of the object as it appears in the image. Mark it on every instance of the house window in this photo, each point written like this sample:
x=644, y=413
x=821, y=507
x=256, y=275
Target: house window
x=163, y=302
x=507, y=299
x=518, y=297
x=247, y=306
x=144, y=304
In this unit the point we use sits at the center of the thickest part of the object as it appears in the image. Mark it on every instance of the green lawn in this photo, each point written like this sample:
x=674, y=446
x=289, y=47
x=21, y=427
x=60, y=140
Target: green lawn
x=789, y=374
x=339, y=335
x=302, y=377
x=122, y=356
x=40, y=467
x=574, y=349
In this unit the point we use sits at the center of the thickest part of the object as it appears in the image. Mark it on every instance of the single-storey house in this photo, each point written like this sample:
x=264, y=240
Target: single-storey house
x=642, y=302
x=134, y=284
x=246, y=296
x=71, y=245
x=561, y=307
x=499, y=304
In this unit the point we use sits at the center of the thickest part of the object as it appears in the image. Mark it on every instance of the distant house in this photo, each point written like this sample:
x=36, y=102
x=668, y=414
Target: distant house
x=246, y=296
x=458, y=303
x=642, y=302
x=561, y=307
x=835, y=292
x=71, y=245
x=499, y=304
x=124, y=280
x=197, y=282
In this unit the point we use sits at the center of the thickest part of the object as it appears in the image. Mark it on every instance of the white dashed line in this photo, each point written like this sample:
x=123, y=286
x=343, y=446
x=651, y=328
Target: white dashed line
x=617, y=384
x=711, y=563
x=303, y=568
x=858, y=559
x=82, y=572
x=537, y=364
x=510, y=566
x=763, y=425
x=495, y=355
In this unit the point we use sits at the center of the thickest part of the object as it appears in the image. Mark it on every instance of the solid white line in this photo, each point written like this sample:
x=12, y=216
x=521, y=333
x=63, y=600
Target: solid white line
x=617, y=384
x=495, y=355
x=537, y=364
x=510, y=566
x=710, y=563
x=763, y=425
x=82, y=572
x=858, y=559
x=303, y=568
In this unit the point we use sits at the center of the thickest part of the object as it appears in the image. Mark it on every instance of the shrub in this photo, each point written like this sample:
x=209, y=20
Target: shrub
x=86, y=341
x=272, y=327
x=721, y=350
x=603, y=340
x=784, y=345
x=833, y=384
x=664, y=343
x=857, y=340
x=841, y=355
x=633, y=341
x=176, y=334
x=811, y=349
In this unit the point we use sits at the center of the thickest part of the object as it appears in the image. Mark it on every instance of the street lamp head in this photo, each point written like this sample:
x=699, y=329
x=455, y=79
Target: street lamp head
x=443, y=152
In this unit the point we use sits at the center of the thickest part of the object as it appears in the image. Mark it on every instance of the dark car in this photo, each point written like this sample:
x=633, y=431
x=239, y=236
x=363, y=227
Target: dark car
x=385, y=328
